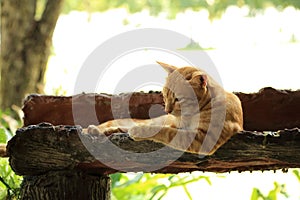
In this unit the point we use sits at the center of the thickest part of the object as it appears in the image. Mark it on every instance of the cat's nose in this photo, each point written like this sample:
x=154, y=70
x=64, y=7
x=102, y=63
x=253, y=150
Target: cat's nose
x=167, y=110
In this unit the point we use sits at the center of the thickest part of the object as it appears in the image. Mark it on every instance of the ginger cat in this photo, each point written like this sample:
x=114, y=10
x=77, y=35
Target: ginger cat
x=201, y=115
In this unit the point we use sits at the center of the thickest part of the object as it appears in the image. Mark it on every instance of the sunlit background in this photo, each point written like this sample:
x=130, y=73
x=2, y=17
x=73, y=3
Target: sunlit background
x=250, y=52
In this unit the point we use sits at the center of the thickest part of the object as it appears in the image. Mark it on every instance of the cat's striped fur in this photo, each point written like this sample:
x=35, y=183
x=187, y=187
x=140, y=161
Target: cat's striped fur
x=201, y=115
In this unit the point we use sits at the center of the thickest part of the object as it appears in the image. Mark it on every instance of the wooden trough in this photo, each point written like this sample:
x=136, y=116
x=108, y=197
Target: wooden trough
x=59, y=162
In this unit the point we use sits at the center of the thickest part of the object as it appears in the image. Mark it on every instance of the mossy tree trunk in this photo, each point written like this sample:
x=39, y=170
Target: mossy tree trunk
x=26, y=37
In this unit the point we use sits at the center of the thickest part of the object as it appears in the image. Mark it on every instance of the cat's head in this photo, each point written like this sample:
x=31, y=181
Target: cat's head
x=185, y=90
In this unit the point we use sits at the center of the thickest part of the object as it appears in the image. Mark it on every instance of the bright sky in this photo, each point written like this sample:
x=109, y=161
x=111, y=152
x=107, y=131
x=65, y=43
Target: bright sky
x=249, y=53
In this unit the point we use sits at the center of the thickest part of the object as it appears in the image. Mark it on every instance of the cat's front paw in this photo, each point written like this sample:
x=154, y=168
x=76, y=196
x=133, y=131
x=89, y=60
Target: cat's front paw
x=92, y=130
x=135, y=133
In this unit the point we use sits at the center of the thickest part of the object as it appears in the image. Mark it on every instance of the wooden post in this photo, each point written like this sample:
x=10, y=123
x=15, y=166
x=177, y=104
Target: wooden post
x=58, y=185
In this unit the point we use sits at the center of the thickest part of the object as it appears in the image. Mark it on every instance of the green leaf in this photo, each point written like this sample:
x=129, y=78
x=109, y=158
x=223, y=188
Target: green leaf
x=171, y=177
x=3, y=137
x=115, y=179
x=187, y=192
x=136, y=179
x=255, y=194
x=272, y=194
x=158, y=188
x=207, y=180
x=297, y=174
x=161, y=196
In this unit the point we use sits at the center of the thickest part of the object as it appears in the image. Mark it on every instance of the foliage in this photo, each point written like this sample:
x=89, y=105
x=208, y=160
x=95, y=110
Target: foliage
x=9, y=181
x=279, y=189
x=8, y=124
x=215, y=7
x=194, y=46
x=150, y=186
x=59, y=91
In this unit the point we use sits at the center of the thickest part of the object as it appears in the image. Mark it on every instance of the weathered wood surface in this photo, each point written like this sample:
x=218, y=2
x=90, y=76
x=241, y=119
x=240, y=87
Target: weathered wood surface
x=86, y=109
x=58, y=185
x=42, y=148
x=268, y=109
x=39, y=149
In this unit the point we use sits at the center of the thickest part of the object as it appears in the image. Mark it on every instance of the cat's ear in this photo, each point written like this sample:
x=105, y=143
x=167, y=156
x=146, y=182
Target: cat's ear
x=167, y=67
x=203, y=80
x=200, y=79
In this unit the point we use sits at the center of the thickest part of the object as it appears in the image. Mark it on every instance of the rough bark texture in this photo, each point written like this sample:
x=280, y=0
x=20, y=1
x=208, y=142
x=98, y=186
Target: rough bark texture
x=267, y=110
x=57, y=185
x=43, y=148
x=25, y=47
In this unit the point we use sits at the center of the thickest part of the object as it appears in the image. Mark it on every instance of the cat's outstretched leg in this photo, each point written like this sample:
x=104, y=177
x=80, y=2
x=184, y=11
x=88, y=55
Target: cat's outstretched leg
x=184, y=140
x=123, y=125
x=110, y=127
x=95, y=130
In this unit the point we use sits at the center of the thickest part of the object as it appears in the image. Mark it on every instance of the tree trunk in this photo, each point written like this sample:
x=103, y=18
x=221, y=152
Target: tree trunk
x=25, y=48
x=58, y=185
